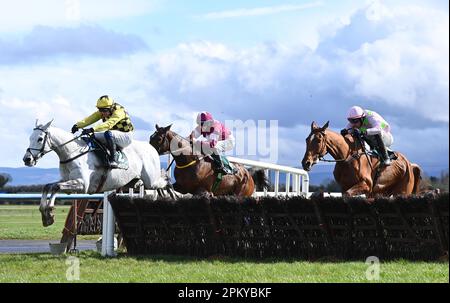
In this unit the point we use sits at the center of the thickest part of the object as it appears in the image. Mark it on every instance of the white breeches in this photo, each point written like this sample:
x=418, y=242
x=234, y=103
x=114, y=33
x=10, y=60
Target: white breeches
x=122, y=139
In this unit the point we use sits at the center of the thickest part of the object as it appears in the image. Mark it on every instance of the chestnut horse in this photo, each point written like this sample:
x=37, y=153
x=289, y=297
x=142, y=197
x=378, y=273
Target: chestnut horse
x=357, y=172
x=195, y=174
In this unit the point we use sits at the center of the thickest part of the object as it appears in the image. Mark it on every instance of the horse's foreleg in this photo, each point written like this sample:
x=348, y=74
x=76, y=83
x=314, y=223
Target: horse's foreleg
x=47, y=206
x=358, y=189
x=47, y=219
x=72, y=186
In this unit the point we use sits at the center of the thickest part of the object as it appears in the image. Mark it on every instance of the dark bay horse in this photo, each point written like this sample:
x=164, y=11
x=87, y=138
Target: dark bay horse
x=356, y=172
x=194, y=174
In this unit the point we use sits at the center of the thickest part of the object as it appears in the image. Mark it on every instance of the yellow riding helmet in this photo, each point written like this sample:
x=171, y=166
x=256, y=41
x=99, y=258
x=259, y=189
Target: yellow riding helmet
x=105, y=102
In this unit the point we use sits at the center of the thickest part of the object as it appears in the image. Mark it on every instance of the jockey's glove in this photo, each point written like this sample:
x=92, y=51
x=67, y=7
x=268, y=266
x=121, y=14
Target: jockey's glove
x=344, y=131
x=88, y=131
x=358, y=132
x=75, y=128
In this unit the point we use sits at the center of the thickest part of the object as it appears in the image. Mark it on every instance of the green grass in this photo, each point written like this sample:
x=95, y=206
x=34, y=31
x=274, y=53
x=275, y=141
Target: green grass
x=23, y=222
x=93, y=268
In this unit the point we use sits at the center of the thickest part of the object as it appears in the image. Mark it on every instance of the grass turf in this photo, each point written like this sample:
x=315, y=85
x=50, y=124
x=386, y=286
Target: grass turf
x=93, y=268
x=23, y=222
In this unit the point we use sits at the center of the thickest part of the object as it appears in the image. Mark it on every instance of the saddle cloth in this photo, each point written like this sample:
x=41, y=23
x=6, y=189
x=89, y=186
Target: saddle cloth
x=102, y=153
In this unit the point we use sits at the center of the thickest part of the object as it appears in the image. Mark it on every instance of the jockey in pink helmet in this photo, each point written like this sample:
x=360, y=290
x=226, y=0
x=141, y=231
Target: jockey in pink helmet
x=217, y=138
x=375, y=129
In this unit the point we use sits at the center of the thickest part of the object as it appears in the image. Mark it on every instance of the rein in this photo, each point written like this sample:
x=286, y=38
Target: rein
x=322, y=159
x=180, y=149
x=42, y=151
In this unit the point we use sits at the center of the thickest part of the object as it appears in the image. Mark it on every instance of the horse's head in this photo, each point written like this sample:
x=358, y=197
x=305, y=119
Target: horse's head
x=315, y=145
x=39, y=144
x=159, y=139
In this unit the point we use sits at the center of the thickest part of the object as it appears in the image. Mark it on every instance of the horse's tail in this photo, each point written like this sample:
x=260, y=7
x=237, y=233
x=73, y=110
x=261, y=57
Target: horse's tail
x=417, y=177
x=260, y=179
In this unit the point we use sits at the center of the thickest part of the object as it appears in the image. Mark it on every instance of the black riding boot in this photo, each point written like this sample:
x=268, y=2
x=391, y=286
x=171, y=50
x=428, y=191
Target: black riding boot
x=383, y=151
x=111, y=145
x=218, y=163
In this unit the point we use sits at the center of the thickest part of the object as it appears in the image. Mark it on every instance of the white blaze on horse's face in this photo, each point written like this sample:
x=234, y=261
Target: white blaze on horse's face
x=39, y=144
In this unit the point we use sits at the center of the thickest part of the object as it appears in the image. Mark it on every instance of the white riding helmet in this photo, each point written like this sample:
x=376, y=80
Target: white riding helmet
x=356, y=112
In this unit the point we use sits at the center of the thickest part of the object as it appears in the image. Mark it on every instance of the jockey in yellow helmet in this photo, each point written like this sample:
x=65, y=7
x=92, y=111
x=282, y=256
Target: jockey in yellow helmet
x=115, y=131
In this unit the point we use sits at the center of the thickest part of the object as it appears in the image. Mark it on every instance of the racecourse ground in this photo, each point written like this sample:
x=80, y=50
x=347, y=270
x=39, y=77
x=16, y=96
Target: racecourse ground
x=93, y=268
x=24, y=222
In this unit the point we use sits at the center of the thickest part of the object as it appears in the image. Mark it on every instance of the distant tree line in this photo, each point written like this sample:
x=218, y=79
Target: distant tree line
x=4, y=178
x=432, y=182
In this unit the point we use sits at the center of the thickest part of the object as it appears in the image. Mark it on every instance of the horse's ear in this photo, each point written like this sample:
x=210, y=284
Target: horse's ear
x=46, y=126
x=157, y=127
x=326, y=125
x=36, y=124
x=314, y=125
x=168, y=127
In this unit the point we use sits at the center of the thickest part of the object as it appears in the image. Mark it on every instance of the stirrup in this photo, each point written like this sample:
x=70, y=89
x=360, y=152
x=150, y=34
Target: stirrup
x=113, y=164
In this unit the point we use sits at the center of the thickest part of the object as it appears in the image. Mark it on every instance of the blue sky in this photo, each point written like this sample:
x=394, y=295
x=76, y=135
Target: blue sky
x=291, y=61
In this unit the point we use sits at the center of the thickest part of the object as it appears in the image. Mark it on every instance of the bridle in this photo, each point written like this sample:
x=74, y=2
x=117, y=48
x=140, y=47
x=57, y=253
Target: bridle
x=42, y=152
x=323, y=151
x=166, y=141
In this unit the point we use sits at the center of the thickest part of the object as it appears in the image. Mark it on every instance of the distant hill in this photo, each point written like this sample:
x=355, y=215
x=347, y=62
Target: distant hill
x=34, y=175
x=31, y=175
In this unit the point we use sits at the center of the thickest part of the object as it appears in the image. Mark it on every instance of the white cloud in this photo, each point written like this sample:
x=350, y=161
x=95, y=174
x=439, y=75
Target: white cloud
x=391, y=58
x=394, y=62
x=259, y=11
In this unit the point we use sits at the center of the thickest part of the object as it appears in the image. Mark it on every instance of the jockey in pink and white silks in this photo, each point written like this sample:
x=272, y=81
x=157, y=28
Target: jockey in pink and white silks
x=375, y=129
x=217, y=139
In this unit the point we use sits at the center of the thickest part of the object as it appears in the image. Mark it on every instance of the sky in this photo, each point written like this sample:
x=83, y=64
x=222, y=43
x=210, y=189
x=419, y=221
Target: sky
x=293, y=62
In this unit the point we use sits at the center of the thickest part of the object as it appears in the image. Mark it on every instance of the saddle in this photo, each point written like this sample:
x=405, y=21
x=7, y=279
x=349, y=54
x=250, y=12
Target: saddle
x=102, y=153
x=375, y=153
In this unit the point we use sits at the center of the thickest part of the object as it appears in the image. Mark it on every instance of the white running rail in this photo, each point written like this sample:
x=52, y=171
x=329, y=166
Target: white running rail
x=296, y=178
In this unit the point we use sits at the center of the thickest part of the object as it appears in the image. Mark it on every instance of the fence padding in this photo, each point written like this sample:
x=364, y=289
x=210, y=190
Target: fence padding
x=413, y=228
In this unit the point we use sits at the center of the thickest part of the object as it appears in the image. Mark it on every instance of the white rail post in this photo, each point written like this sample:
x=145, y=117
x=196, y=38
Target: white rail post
x=266, y=173
x=295, y=183
x=141, y=191
x=305, y=184
x=108, y=228
x=277, y=182
x=288, y=183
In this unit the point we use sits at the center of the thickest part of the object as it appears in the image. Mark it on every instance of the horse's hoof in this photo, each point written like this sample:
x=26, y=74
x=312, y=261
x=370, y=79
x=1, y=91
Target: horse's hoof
x=48, y=219
x=51, y=220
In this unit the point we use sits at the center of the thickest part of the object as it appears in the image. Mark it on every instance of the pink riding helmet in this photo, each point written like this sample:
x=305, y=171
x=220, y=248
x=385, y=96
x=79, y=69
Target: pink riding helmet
x=356, y=112
x=203, y=117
